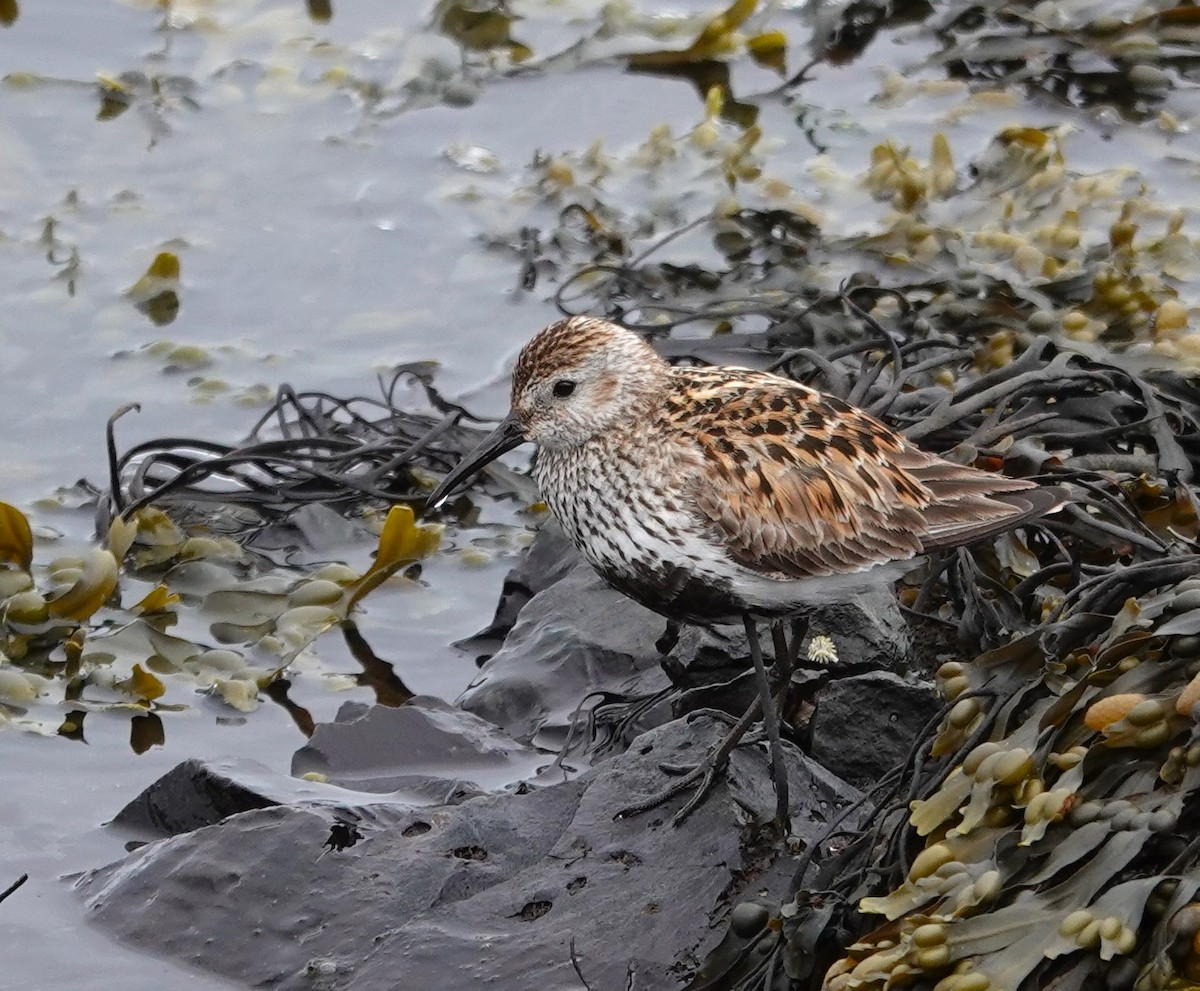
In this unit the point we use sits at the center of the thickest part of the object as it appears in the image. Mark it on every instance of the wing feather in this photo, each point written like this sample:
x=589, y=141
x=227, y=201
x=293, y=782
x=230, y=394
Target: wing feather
x=796, y=484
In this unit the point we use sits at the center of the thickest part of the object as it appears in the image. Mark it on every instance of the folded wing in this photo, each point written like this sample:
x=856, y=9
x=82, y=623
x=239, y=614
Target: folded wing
x=797, y=484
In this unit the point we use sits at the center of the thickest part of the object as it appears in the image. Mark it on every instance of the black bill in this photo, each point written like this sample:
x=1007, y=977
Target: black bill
x=504, y=438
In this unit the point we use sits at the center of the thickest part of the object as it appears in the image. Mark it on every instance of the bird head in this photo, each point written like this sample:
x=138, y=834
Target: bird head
x=577, y=379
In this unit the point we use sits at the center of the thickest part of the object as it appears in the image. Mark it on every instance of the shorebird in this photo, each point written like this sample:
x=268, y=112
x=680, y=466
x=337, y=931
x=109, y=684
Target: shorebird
x=715, y=495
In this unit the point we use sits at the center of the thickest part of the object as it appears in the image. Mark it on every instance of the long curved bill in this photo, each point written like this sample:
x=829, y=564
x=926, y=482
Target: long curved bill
x=505, y=437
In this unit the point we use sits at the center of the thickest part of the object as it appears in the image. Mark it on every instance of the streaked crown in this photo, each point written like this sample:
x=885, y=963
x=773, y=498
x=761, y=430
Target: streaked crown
x=580, y=377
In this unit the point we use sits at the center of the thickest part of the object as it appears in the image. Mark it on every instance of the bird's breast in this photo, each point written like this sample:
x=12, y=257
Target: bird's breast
x=633, y=525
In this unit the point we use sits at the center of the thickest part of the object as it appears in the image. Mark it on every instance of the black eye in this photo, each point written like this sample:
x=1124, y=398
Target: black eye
x=563, y=388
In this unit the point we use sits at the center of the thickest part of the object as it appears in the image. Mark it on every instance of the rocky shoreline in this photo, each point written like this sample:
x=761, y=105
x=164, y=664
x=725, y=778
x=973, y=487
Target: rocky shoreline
x=438, y=846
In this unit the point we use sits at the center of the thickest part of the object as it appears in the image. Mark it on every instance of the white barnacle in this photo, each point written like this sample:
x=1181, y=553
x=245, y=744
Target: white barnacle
x=821, y=650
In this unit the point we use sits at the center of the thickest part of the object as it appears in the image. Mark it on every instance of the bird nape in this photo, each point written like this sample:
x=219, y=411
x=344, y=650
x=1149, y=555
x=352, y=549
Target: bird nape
x=719, y=495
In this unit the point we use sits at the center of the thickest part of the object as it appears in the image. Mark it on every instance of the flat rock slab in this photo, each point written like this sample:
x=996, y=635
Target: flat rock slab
x=493, y=891
x=427, y=752
x=200, y=793
x=382, y=749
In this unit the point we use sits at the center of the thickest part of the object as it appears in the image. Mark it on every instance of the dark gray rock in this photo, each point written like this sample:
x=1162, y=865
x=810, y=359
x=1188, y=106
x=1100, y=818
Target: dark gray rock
x=492, y=891
x=257, y=896
x=548, y=559
x=425, y=753
x=381, y=749
x=865, y=725
x=449, y=888
x=868, y=632
x=638, y=898
x=195, y=794
x=576, y=637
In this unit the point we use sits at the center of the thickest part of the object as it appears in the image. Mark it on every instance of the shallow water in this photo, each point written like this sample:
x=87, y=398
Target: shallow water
x=334, y=193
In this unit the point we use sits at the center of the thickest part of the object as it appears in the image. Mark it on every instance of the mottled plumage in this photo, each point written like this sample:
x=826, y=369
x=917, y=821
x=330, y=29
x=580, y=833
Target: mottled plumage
x=709, y=493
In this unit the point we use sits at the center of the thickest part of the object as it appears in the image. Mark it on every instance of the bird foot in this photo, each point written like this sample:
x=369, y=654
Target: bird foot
x=700, y=776
x=720, y=715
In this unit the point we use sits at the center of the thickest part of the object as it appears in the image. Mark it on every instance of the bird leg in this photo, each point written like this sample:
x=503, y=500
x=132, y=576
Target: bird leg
x=770, y=722
x=670, y=638
x=786, y=655
x=672, y=667
x=784, y=660
x=702, y=776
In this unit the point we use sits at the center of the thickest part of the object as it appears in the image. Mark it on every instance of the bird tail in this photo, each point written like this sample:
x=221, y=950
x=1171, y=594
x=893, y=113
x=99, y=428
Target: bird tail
x=978, y=515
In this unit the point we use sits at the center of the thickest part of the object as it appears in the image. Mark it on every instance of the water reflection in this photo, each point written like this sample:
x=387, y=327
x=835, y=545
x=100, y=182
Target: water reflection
x=72, y=725
x=706, y=76
x=377, y=674
x=480, y=28
x=277, y=692
x=146, y=731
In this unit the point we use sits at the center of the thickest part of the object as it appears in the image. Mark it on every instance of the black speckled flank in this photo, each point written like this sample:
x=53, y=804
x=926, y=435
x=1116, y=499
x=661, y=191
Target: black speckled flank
x=681, y=594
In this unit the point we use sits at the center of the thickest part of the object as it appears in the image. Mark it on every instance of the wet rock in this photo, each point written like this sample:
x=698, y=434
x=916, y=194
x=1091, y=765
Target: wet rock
x=259, y=896
x=576, y=637
x=492, y=891
x=548, y=559
x=868, y=633
x=381, y=749
x=425, y=753
x=393, y=864
x=635, y=897
x=865, y=725
x=195, y=794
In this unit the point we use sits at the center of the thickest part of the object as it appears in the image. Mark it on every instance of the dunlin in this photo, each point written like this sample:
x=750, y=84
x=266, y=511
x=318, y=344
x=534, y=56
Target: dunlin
x=717, y=495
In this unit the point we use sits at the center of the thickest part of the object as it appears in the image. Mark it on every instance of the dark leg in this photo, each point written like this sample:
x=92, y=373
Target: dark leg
x=786, y=655
x=784, y=660
x=666, y=643
x=702, y=777
x=671, y=665
x=799, y=632
x=770, y=723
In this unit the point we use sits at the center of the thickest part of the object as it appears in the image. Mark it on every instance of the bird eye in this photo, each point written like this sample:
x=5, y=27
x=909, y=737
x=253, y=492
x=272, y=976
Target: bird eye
x=563, y=388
